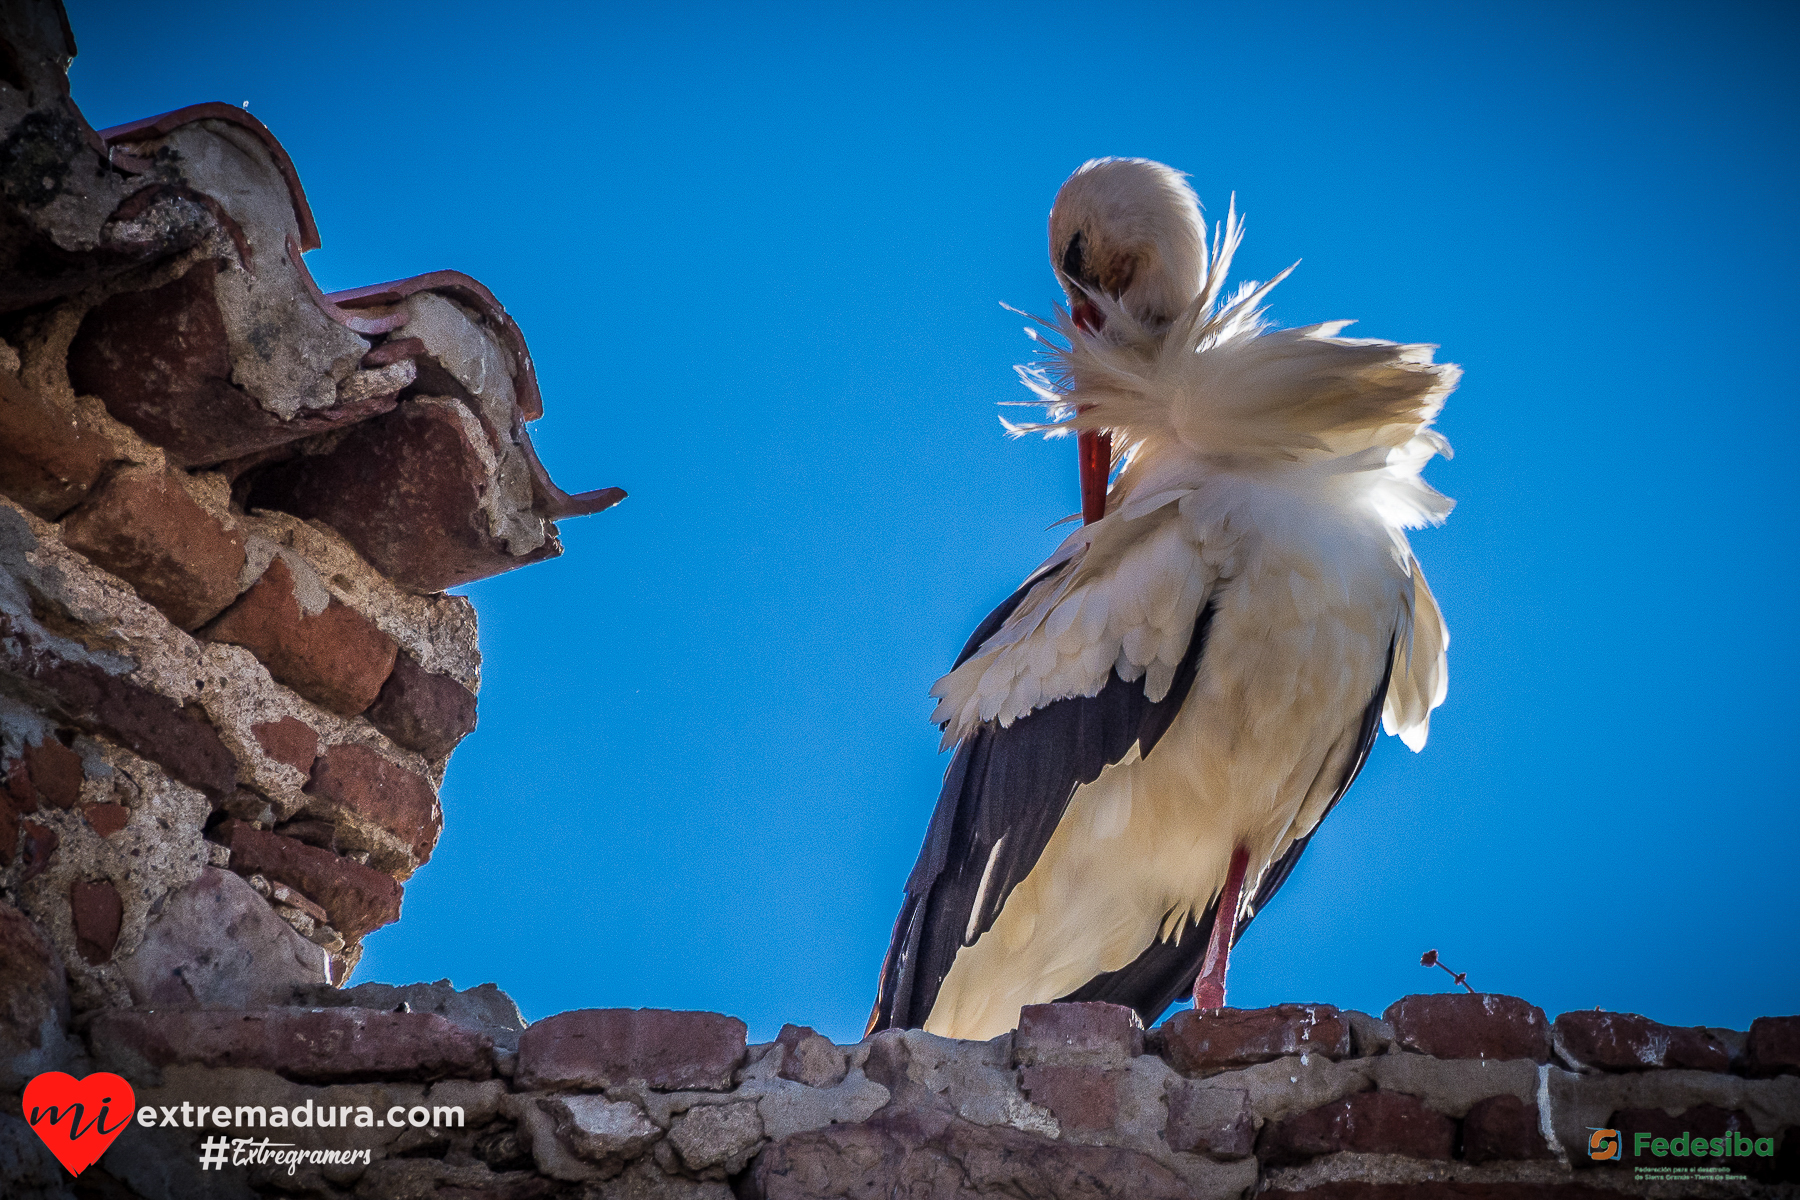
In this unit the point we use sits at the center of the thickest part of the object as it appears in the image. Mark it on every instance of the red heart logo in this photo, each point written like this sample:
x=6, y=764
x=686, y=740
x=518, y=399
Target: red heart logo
x=75, y=1116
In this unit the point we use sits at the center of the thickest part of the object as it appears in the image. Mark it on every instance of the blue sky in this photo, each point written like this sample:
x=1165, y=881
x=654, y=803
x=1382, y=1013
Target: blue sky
x=759, y=257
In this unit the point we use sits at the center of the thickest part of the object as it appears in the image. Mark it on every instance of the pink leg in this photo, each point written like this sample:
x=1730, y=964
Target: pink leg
x=1209, y=988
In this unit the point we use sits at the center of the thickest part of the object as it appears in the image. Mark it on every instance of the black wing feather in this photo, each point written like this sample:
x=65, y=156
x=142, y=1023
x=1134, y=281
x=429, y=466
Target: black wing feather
x=1009, y=788
x=1165, y=972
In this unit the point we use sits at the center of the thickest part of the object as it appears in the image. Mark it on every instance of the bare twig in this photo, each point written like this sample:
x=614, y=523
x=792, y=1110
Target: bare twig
x=1430, y=959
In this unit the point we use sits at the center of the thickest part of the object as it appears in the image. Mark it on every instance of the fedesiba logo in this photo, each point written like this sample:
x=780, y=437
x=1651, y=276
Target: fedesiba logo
x=1604, y=1145
x=1608, y=1145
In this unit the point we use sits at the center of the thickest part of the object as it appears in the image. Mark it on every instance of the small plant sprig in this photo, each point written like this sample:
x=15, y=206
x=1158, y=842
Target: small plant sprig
x=1430, y=959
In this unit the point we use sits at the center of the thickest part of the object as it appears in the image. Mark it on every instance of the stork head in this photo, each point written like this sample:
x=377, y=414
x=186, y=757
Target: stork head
x=1130, y=229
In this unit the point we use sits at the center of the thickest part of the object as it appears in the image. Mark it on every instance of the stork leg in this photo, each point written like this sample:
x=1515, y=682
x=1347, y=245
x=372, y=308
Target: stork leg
x=1209, y=987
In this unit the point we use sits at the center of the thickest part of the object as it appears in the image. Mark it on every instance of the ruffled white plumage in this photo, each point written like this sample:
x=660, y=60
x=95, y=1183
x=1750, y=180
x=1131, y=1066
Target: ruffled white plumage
x=1217, y=398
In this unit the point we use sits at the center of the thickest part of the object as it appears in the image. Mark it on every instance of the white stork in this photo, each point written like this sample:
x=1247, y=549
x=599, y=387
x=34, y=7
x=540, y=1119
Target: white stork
x=1151, y=728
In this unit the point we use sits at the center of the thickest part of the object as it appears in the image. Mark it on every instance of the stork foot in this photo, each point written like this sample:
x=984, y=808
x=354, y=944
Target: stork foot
x=1209, y=987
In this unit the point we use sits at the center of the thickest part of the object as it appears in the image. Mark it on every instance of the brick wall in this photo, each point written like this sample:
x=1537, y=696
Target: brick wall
x=230, y=685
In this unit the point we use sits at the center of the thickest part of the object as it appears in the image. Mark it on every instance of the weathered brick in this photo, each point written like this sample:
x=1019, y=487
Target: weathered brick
x=1503, y=1128
x=40, y=843
x=422, y=710
x=55, y=771
x=1363, y=1123
x=1464, y=1025
x=176, y=737
x=1200, y=1043
x=48, y=461
x=1217, y=1122
x=336, y=658
x=406, y=489
x=1079, y=1032
x=355, y=779
x=145, y=528
x=595, y=1048
x=1773, y=1047
x=1628, y=1042
x=106, y=819
x=322, y=834
x=97, y=913
x=1079, y=1097
x=17, y=785
x=288, y=740
x=306, y=1045
x=161, y=360
x=34, y=1000
x=358, y=898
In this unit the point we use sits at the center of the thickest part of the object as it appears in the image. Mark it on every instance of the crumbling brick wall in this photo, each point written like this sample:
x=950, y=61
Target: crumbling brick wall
x=230, y=679
x=230, y=684
x=1443, y=1096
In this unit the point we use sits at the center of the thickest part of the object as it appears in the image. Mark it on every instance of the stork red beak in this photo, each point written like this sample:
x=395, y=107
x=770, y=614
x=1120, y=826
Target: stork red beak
x=1087, y=314
x=1095, y=445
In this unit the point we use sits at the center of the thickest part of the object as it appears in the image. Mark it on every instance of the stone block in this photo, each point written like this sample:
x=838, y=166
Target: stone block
x=288, y=740
x=55, y=772
x=423, y=711
x=306, y=1045
x=97, y=912
x=355, y=781
x=601, y=1131
x=1082, y=1098
x=335, y=657
x=358, y=898
x=1363, y=1123
x=1613, y=1041
x=1701, y=1123
x=1216, y=1122
x=1773, y=1047
x=717, y=1140
x=483, y=1008
x=144, y=527
x=34, y=1001
x=1503, y=1129
x=1369, y=1036
x=923, y=1153
x=1465, y=1025
x=809, y=1058
x=1220, y=1039
x=1087, y=1032
x=217, y=944
x=433, y=1179
x=31, y=1172
x=597, y=1048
